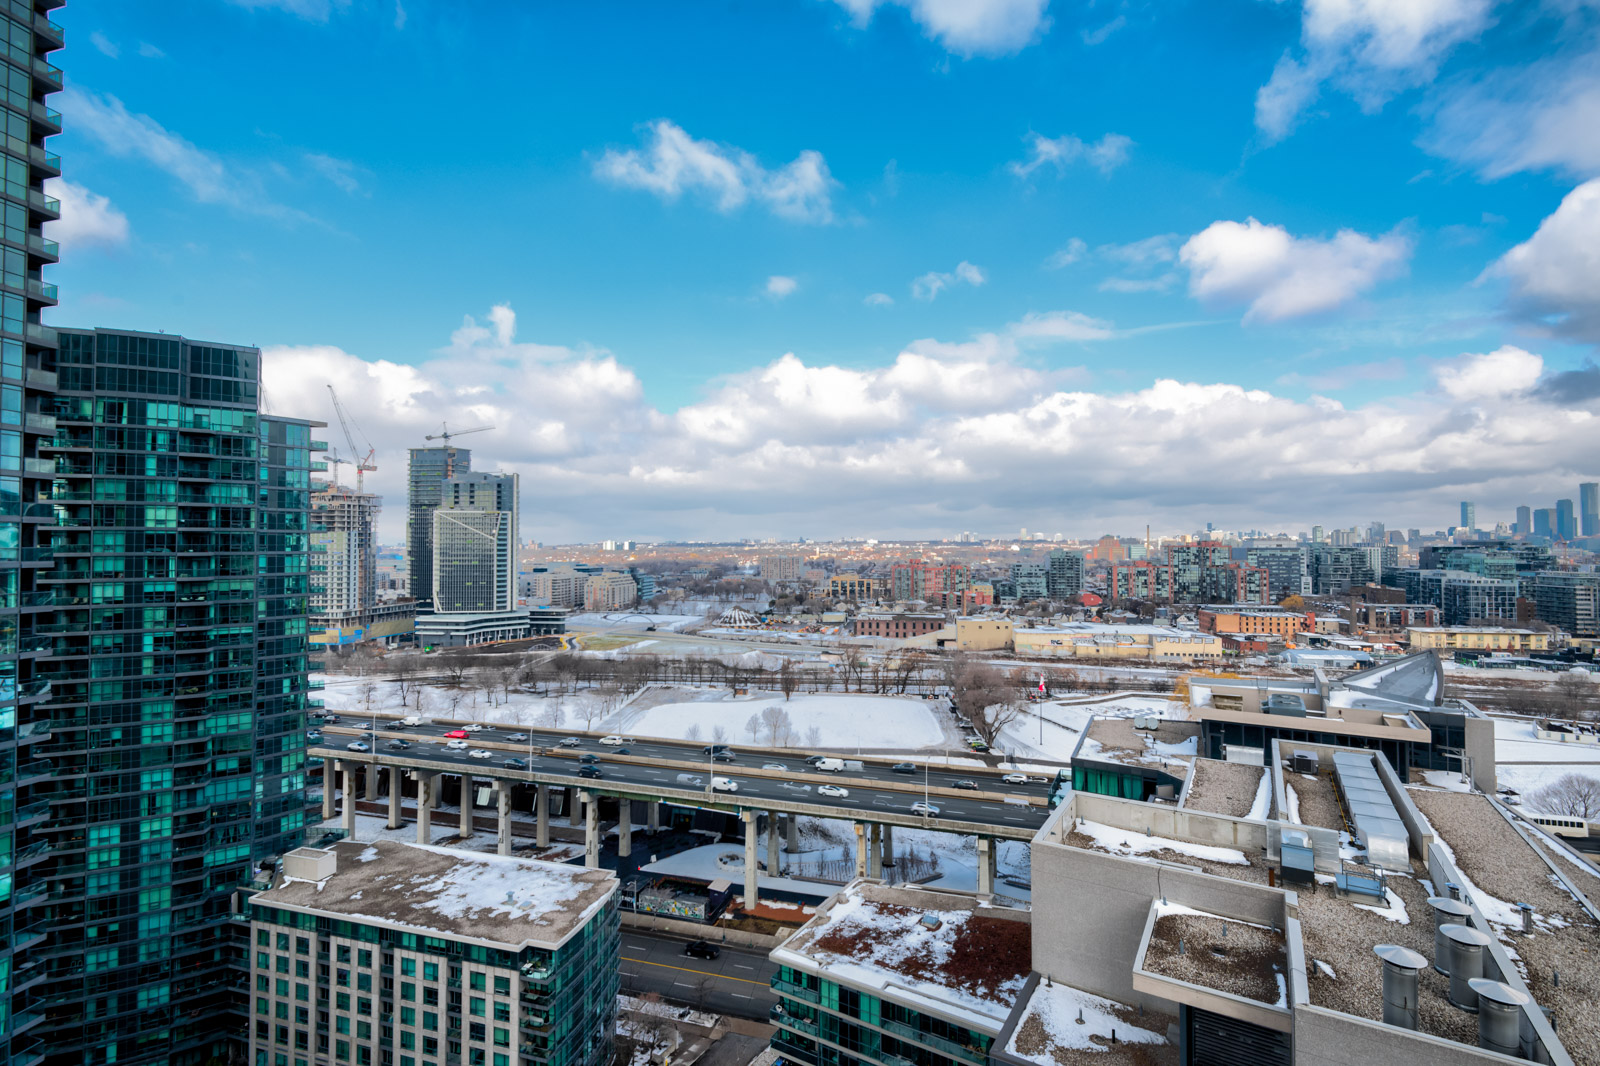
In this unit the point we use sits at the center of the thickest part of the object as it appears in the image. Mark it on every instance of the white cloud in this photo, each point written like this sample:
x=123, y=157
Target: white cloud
x=934, y=282
x=1555, y=274
x=1539, y=117
x=1280, y=276
x=399, y=15
x=1098, y=35
x=1105, y=155
x=104, y=45
x=1067, y=254
x=1162, y=248
x=150, y=51
x=673, y=163
x=779, y=286
x=968, y=27
x=86, y=217
x=312, y=10
x=878, y=299
x=341, y=172
x=1158, y=283
x=1505, y=371
x=941, y=436
x=124, y=134
x=1370, y=49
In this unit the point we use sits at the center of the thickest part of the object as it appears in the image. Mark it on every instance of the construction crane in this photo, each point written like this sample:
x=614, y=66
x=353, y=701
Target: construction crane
x=346, y=423
x=445, y=434
x=333, y=460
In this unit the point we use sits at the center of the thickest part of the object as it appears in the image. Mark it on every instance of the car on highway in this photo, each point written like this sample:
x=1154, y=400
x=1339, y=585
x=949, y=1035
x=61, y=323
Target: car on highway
x=812, y=760
x=1015, y=779
x=832, y=790
x=479, y=753
x=724, y=784
x=358, y=745
x=329, y=719
x=456, y=734
x=398, y=745
x=796, y=786
x=903, y=768
x=773, y=766
x=588, y=757
x=613, y=740
x=514, y=764
x=715, y=749
x=570, y=742
x=699, y=949
x=517, y=738
x=969, y=786
x=473, y=728
x=456, y=745
x=724, y=756
x=313, y=735
x=927, y=809
x=622, y=751
x=589, y=771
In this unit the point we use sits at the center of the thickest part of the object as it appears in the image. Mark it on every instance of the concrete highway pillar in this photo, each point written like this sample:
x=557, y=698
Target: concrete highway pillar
x=752, y=887
x=591, y=829
x=330, y=785
x=861, y=850
x=372, y=781
x=887, y=861
x=574, y=806
x=427, y=799
x=654, y=824
x=466, y=807
x=350, y=800
x=772, y=844
x=503, y=826
x=541, y=815
x=397, y=790
x=874, y=850
x=624, y=827
x=434, y=793
x=792, y=826
x=986, y=866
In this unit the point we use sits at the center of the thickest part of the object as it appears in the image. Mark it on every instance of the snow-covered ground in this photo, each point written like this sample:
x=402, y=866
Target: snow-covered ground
x=1526, y=764
x=957, y=856
x=445, y=826
x=670, y=623
x=1050, y=730
x=350, y=696
x=842, y=720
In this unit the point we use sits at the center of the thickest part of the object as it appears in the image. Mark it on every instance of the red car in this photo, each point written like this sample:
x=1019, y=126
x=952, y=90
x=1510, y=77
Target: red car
x=457, y=734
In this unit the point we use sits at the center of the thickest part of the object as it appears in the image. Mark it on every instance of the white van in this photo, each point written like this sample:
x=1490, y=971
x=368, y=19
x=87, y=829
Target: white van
x=724, y=784
x=410, y=721
x=692, y=779
x=831, y=766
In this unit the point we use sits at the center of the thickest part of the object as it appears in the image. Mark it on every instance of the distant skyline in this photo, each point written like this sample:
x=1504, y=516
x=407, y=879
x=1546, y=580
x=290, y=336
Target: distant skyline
x=884, y=267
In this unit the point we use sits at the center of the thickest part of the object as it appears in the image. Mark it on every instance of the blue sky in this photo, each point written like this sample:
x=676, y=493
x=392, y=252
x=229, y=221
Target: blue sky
x=812, y=267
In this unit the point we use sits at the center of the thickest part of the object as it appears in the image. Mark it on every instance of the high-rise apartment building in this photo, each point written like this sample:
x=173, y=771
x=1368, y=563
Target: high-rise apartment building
x=176, y=657
x=1469, y=515
x=475, y=544
x=1524, y=523
x=779, y=568
x=1566, y=520
x=914, y=579
x=1066, y=574
x=344, y=567
x=1589, y=508
x=1544, y=522
x=425, y=474
x=1286, y=566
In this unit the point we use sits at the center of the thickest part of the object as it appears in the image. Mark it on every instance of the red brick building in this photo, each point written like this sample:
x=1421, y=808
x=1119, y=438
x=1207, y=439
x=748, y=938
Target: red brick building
x=897, y=626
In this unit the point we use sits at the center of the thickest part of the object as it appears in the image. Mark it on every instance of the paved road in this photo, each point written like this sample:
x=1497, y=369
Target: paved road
x=734, y=983
x=800, y=785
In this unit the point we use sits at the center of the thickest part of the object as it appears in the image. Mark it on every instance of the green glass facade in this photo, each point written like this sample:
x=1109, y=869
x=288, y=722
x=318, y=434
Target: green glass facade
x=328, y=987
x=176, y=652
x=824, y=1023
x=27, y=382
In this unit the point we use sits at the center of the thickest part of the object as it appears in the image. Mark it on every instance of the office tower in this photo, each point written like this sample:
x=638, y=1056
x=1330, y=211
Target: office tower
x=27, y=365
x=1524, y=520
x=1566, y=520
x=425, y=476
x=1589, y=508
x=1469, y=515
x=475, y=544
x=344, y=565
x=1316, y=535
x=1544, y=522
x=1066, y=574
x=176, y=655
x=1376, y=533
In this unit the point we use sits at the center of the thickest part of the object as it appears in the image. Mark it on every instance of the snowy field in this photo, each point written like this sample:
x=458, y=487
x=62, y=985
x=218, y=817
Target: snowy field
x=841, y=720
x=351, y=697
x=1050, y=730
x=670, y=623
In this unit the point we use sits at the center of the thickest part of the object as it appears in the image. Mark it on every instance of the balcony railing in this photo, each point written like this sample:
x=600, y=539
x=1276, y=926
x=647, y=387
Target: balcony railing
x=44, y=249
x=46, y=117
x=44, y=72
x=44, y=205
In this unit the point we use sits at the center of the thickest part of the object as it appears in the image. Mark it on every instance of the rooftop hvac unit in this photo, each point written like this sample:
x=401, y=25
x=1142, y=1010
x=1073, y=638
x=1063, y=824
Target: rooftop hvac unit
x=1286, y=703
x=1304, y=762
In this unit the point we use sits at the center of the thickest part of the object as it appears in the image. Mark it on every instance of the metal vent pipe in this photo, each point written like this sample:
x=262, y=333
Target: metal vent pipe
x=1400, y=967
x=1466, y=963
x=1446, y=911
x=1499, y=1016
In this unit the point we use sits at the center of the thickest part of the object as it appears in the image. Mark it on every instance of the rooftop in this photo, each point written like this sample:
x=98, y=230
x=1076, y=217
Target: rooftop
x=1170, y=747
x=971, y=964
x=1049, y=1032
x=470, y=895
x=1235, y=789
x=1226, y=954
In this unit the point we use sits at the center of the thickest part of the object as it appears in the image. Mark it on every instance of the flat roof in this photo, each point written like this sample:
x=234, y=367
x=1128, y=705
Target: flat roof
x=1170, y=747
x=495, y=899
x=1049, y=1031
x=970, y=967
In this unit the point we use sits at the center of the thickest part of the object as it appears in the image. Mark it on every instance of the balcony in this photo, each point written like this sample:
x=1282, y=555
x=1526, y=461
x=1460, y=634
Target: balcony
x=48, y=31
x=319, y=445
x=47, y=163
x=45, y=120
x=48, y=76
x=41, y=423
x=49, y=251
x=41, y=291
x=36, y=811
x=41, y=204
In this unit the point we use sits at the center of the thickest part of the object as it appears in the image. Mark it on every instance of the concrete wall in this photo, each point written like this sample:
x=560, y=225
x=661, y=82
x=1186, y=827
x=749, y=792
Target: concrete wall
x=1479, y=742
x=983, y=634
x=714, y=933
x=1327, y=1038
x=1199, y=827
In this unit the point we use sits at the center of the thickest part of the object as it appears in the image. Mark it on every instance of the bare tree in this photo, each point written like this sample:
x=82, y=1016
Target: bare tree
x=693, y=732
x=405, y=669
x=987, y=697
x=601, y=703
x=854, y=660
x=1576, y=695
x=788, y=679
x=813, y=737
x=550, y=716
x=752, y=726
x=719, y=735
x=778, y=725
x=1574, y=795
x=368, y=690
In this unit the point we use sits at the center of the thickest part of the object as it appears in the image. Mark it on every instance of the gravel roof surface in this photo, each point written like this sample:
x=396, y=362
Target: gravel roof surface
x=1032, y=1038
x=1319, y=805
x=1566, y=941
x=1255, y=872
x=1246, y=960
x=1342, y=935
x=1222, y=787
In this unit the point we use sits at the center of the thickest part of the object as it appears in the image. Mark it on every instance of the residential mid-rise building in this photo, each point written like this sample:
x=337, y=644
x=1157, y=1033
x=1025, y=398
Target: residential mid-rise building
x=896, y=626
x=177, y=631
x=1568, y=599
x=857, y=587
x=610, y=591
x=426, y=472
x=1335, y=569
x=1288, y=573
x=914, y=579
x=646, y=583
x=557, y=584
x=781, y=568
x=1224, y=619
x=408, y=954
x=1476, y=638
x=1589, y=508
x=1066, y=574
x=27, y=389
x=1462, y=597
x=1031, y=580
x=344, y=562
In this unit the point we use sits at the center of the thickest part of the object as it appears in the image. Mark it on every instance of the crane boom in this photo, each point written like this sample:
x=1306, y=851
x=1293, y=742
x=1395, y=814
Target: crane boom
x=446, y=433
x=346, y=423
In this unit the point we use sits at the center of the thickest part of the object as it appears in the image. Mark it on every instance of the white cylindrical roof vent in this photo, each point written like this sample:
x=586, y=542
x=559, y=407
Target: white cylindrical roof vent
x=1400, y=966
x=1499, y=1016
x=1446, y=911
x=1466, y=946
